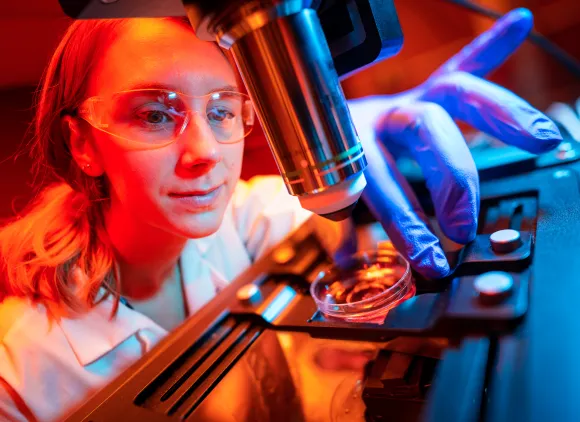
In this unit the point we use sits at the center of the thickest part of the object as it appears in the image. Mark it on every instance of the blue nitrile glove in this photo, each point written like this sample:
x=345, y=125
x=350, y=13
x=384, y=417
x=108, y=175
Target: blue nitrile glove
x=421, y=120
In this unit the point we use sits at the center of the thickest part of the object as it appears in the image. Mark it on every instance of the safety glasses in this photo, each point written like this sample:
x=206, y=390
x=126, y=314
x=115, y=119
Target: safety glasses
x=157, y=117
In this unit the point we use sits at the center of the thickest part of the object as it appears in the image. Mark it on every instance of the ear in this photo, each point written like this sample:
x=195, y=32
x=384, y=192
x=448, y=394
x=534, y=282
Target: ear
x=82, y=147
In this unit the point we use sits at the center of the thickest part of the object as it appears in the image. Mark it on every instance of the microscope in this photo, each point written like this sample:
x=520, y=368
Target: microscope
x=491, y=343
x=291, y=54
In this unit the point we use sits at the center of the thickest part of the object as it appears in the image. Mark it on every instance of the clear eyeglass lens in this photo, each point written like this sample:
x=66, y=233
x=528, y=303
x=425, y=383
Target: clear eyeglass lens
x=159, y=116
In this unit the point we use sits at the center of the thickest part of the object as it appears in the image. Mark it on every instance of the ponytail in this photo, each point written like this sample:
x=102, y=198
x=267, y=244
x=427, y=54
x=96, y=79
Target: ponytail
x=40, y=249
x=62, y=232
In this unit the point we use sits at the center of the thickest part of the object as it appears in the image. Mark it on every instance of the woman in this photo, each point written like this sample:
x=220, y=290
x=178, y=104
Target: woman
x=143, y=125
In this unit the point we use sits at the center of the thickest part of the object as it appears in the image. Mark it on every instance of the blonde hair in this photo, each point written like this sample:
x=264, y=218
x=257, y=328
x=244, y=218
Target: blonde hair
x=63, y=228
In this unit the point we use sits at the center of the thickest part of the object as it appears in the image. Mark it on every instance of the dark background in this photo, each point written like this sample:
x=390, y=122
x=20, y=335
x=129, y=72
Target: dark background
x=433, y=29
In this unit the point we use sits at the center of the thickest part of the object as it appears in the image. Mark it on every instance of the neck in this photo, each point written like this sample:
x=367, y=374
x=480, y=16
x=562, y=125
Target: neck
x=146, y=255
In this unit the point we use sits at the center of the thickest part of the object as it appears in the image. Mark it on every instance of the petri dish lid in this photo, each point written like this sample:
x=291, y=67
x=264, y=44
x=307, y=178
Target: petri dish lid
x=364, y=286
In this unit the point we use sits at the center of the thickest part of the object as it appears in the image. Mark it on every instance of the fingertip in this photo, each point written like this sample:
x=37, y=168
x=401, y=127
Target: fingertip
x=433, y=264
x=522, y=16
x=550, y=135
x=543, y=135
x=523, y=13
x=517, y=24
x=421, y=248
x=551, y=144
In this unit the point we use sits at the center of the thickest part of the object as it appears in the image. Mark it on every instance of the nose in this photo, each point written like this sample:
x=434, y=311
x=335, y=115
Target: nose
x=200, y=150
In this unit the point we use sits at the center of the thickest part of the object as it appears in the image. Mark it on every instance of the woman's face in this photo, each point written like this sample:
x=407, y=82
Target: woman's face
x=183, y=187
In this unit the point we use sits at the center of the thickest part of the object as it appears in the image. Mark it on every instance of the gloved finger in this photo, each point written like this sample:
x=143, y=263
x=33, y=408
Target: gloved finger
x=494, y=110
x=392, y=202
x=438, y=146
x=490, y=49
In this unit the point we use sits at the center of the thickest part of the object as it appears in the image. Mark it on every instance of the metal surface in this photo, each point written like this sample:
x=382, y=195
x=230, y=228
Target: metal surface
x=306, y=121
x=286, y=377
x=535, y=375
x=508, y=369
x=457, y=392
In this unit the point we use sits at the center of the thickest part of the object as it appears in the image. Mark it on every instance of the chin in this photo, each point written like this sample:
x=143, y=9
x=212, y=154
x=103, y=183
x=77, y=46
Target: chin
x=200, y=225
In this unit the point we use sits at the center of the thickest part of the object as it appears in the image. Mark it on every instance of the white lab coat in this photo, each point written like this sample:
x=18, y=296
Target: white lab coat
x=48, y=369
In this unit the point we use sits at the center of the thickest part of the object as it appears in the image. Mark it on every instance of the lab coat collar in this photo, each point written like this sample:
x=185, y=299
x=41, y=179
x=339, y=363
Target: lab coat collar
x=201, y=279
x=93, y=335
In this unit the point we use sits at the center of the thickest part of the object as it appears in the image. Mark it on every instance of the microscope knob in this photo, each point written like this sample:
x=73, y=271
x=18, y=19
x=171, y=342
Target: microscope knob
x=505, y=241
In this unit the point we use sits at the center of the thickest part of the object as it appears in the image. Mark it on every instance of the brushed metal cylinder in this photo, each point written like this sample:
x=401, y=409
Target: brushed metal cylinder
x=289, y=73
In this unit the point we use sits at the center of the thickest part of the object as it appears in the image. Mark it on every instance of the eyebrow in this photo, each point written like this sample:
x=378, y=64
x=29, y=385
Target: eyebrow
x=167, y=87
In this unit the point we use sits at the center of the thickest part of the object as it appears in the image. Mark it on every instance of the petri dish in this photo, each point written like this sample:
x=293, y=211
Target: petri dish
x=363, y=287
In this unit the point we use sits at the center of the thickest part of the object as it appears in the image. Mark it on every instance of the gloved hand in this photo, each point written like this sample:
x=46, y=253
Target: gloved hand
x=422, y=121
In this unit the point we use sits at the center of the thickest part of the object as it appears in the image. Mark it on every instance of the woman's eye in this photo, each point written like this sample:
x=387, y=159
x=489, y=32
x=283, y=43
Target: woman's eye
x=219, y=114
x=154, y=117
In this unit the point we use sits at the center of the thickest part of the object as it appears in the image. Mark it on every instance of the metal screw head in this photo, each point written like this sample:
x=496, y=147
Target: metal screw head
x=565, y=151
x=284, y=254
x=249, y=293
x=493, y=286
x=504, y=241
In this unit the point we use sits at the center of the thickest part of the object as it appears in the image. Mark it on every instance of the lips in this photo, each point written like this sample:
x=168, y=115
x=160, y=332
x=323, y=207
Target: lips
x=194, y=192
x=198, y=199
